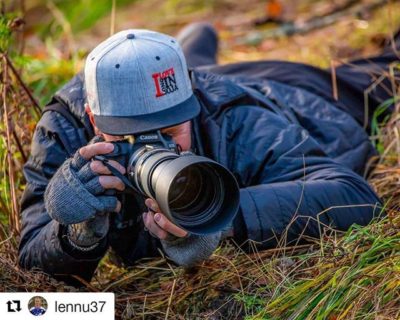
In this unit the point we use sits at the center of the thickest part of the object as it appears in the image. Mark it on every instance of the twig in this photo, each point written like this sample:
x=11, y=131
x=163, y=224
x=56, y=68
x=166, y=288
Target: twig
x=17, y=103
x=19, y=146
x=170, y=299
x=392, y=40
x=22, y=6
x=37, y=109
x=64, y=23
x=334, y=81
x=21, y=36
x=112, y=24
x=366, y=98
x=144, y=306
x=288, y=29
x=14, y=217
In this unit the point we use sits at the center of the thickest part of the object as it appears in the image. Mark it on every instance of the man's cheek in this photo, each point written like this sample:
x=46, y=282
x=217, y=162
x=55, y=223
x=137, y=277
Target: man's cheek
x=184, y=142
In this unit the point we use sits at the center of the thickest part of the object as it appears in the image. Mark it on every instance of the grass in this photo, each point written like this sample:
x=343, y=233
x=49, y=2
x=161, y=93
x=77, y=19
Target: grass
x=351, y=275
x=357, y=278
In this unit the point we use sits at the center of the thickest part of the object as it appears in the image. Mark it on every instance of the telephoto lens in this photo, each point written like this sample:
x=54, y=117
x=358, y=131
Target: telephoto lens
x=194, y=192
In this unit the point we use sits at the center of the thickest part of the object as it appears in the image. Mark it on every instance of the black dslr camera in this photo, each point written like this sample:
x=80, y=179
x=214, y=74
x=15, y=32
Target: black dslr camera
x=194, y=192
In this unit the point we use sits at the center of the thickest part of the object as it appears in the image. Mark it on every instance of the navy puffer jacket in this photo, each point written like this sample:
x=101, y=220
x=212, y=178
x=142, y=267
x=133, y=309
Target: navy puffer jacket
x=298, y=158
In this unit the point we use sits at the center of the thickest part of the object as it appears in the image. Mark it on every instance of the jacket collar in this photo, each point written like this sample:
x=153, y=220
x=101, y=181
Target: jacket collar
x=73, y=96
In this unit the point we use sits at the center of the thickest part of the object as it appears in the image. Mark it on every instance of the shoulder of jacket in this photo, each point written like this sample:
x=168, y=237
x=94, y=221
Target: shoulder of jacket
x=221, y=87
x=73, y=96
x=53, y=125
x=74, y=130
x=53, y=122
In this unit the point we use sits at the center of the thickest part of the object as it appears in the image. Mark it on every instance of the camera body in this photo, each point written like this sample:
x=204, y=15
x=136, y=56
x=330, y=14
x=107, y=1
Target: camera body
x=133, y=151
x=195, y=192
x=138, y=144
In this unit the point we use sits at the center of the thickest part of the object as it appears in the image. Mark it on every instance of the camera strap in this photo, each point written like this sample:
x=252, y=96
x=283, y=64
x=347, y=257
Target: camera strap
x=116, y=173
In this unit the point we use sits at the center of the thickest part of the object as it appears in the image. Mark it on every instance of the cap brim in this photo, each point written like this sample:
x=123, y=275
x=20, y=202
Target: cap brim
x=180, y=113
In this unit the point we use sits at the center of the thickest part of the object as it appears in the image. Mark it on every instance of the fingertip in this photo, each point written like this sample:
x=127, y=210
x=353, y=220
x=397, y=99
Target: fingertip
x=119, y=167
x=123, y=185
x=152, y=205
x=148, y=202
x=120, y=185
x=82, y=152
x=109, y=146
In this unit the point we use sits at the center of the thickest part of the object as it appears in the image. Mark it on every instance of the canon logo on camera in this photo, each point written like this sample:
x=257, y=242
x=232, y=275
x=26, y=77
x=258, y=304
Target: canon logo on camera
x=148, y=137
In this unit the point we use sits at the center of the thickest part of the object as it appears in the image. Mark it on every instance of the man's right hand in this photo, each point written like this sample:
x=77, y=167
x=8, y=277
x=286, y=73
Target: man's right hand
x=82, y=188
x=106, y=180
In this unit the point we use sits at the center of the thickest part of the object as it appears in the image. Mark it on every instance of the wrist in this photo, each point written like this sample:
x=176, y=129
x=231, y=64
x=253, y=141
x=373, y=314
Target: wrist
x=79, y=247
x=174, y=240
x=82, y=238
x=79, y=252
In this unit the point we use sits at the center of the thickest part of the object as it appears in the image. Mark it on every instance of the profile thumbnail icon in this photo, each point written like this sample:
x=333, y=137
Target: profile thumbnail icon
x=37, y=306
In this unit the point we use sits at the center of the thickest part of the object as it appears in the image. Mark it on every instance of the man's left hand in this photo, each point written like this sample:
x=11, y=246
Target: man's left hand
x=158, y=224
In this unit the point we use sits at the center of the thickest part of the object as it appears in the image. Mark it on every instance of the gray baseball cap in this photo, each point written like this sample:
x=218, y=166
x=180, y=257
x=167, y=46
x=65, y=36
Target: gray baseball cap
x=137, y=81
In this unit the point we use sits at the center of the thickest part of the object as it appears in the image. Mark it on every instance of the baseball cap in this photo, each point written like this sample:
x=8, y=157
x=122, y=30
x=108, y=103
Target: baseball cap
x=137, y=81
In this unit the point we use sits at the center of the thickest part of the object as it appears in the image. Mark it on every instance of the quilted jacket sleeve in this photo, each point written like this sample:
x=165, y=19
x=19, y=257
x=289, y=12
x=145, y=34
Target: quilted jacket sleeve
x=42, y=245
x=289, y=187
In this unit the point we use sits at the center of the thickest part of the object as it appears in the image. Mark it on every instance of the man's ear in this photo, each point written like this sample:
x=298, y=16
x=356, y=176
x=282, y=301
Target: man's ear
x=90, y=114
x=91, y=118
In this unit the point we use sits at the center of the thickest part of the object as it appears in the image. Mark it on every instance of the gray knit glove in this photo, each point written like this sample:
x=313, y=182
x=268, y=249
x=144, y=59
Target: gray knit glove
x=191, y=250
x=75, y=197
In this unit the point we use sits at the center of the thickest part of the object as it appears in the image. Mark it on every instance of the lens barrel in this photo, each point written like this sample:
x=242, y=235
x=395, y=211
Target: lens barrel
x=196, y=193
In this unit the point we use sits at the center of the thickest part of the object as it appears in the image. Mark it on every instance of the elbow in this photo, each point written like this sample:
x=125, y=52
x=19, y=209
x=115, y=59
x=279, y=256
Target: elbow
x=359, y=204
x=23, y=251
x=192, y=250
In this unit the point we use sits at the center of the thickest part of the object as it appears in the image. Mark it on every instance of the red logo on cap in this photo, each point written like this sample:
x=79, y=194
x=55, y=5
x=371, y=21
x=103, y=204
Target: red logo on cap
x=165, y=82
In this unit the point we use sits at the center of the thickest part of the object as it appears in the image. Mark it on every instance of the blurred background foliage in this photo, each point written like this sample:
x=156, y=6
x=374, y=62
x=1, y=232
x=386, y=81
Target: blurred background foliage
x=52, y=37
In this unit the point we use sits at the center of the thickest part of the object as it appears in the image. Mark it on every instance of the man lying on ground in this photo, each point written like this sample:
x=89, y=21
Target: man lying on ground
x=298, y=154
